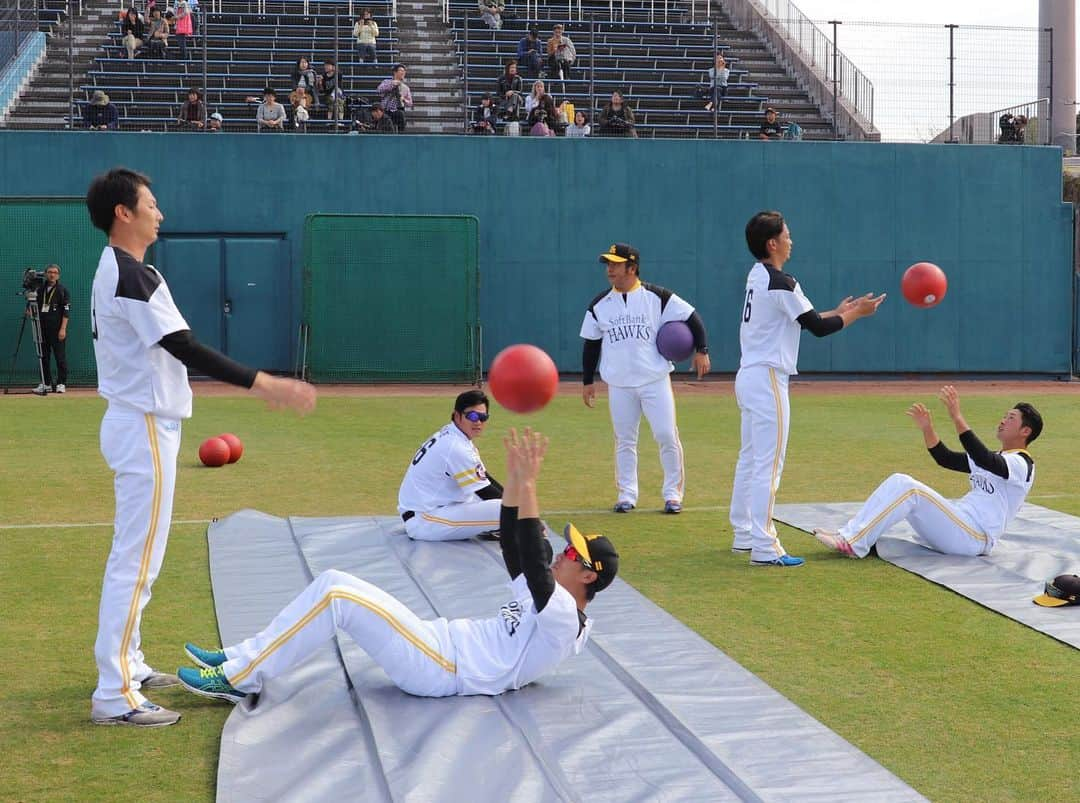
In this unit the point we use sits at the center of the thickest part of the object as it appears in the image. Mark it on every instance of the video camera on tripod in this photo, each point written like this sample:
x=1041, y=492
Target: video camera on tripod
x=32, y=282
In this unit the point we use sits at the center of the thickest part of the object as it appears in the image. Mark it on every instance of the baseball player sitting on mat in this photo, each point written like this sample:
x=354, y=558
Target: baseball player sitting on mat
x=774, y=313
x=620, y=330
x=543, y=624
x=969, y=526
x=447, y=493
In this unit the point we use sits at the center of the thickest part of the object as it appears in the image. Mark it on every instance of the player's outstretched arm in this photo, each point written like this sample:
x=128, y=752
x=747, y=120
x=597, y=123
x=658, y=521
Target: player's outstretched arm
x=943, y=455
x=861, y=307
x=282, y=392
x=951, y=399
x=921, y=416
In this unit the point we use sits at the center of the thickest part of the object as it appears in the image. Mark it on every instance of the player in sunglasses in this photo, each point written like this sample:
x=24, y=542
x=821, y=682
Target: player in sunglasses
x=543, y=624
x=447, y=493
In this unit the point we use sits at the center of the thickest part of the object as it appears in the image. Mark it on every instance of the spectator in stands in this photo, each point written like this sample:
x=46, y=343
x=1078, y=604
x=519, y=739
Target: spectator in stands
x=159, y=35
x=193, y=112
x=580, y=126
x=491, y=12
x=380, y=123
x=539, y=102
x=330, y=91
x=132, y=31
x=529, y=52
x=771, y=128
x=616, y=118
x=484, y=115
x=184, y=26
x=299, y=99
x=270, y=115
x=396, y=97
x=303, y=75
x=214, y=122
x=508, y=91
x=100, y=114
x=366, y=31
x=716, y=80
x=561, y=54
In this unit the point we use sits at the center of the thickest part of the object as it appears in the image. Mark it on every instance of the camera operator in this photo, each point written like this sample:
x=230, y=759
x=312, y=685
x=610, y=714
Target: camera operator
x=396, y=97
x=53, y=305
x=1013, y=129
x=616, y=118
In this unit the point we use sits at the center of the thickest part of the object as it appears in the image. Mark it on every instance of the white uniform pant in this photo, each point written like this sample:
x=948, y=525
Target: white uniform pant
x=141, y=449
x=417, y=654
x=657, y=401
x=762, y=395
x=940, y=523
x=454, y=522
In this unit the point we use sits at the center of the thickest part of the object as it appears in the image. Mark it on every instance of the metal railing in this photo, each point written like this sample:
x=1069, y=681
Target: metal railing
x=1020, y=124
x=18, y=19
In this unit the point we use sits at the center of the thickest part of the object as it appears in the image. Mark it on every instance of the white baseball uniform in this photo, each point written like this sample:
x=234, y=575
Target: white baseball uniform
x=638, y=379
x=769, y=342
x=428, y=658
x=437, y=498
x=967, y=526
x=148, y=394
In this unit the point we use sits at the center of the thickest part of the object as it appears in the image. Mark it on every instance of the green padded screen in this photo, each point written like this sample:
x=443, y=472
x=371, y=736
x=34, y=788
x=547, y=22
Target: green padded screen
x=37, y=232
x=391, y=298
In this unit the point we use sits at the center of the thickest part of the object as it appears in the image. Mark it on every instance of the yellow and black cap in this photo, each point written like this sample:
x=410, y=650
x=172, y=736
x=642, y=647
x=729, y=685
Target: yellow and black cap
x=621, y=252
x=1062, y=590
x=596, y=553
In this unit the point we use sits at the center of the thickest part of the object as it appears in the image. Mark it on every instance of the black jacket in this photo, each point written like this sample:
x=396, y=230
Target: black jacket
x=59, y=304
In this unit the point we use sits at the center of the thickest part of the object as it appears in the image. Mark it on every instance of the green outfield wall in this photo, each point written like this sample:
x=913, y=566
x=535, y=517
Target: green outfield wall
x=859, y=214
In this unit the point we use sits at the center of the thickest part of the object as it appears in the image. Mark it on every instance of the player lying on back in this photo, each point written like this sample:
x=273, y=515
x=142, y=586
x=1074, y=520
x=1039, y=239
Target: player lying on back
x=969, y=526
x=543, y=624
x=446, y=493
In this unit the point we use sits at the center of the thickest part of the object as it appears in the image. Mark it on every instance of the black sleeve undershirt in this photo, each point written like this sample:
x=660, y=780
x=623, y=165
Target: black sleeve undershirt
x=590, y=359
x=205, y=360
x=508, y=541
x=947, y=458
x=697, y=329
x=535, y=555
x=818, y=326
x=492, y=491
x=994, y=462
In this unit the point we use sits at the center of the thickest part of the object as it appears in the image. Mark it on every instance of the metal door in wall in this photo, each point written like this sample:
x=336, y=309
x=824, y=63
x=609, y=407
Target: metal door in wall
x=234, y=291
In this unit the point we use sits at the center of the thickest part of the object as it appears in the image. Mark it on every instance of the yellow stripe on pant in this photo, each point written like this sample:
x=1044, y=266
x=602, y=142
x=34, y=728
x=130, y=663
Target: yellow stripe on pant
x=774, y=481
x=903, y=498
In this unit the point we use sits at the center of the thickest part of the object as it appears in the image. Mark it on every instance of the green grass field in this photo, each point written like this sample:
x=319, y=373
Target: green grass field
x=961, y=703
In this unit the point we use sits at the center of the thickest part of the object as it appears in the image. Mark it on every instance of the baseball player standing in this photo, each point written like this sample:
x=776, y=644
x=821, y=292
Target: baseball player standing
x=1000, y=481
x=446, y=493
x=542, y=625
x=143, y=349
x=774, y=313
x=619, y=330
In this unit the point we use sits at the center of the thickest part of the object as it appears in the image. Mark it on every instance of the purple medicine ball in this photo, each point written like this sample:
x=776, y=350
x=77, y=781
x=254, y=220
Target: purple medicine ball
x=675, y=341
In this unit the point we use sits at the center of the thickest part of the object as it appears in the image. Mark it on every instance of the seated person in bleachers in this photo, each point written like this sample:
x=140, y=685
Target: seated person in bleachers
x=299, y=98
x=380, y=123
x=214, y=123
x=270, y=115
x=771, y=128
x=580, y=126
x=303, y=75
x=133, y=32
x=366, y=31
x=491, y=12
x=616, y=118
x=538, y=98
x=395, y=96
x=508, y=91
x=716, y=80
x=330, y=92
x=561, y=54
x=530, y=52
x=484, y=115
x=159, y=35
x=184, y=26
x=193, y=112
x=99, y=114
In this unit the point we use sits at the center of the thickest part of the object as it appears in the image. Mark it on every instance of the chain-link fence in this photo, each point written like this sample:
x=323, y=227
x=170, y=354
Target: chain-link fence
x=18, y=19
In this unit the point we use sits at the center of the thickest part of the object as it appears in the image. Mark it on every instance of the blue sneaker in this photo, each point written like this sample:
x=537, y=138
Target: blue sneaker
x=623, y=507
x=783, y=560
x=209, y=683
x=672, y=507
x=207, y=659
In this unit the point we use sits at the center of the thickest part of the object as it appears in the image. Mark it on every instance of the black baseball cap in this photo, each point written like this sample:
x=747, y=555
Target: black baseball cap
x=597, y=553
x=620, y=252
x=1062, y=590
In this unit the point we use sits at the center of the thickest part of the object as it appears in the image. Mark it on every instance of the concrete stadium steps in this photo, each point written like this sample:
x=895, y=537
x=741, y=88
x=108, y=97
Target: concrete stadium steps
x=433, y=74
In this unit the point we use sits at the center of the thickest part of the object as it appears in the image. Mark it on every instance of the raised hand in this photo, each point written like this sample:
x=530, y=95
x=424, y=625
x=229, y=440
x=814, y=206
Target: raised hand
x=951, y=399
x=867, y=304
x=921, y=416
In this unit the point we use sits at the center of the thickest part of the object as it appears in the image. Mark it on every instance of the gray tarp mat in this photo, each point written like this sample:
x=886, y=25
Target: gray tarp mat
x=649, y=711
x=1039, y=545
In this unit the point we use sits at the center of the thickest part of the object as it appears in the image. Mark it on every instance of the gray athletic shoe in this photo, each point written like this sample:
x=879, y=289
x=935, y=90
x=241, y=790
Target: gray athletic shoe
x=159, y=680
x=146, y=715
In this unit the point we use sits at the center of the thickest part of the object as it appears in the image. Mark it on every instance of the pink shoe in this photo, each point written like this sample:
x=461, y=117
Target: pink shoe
x=835, y=542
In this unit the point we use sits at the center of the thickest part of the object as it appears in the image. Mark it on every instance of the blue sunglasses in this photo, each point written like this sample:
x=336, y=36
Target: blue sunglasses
x=476, y=417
